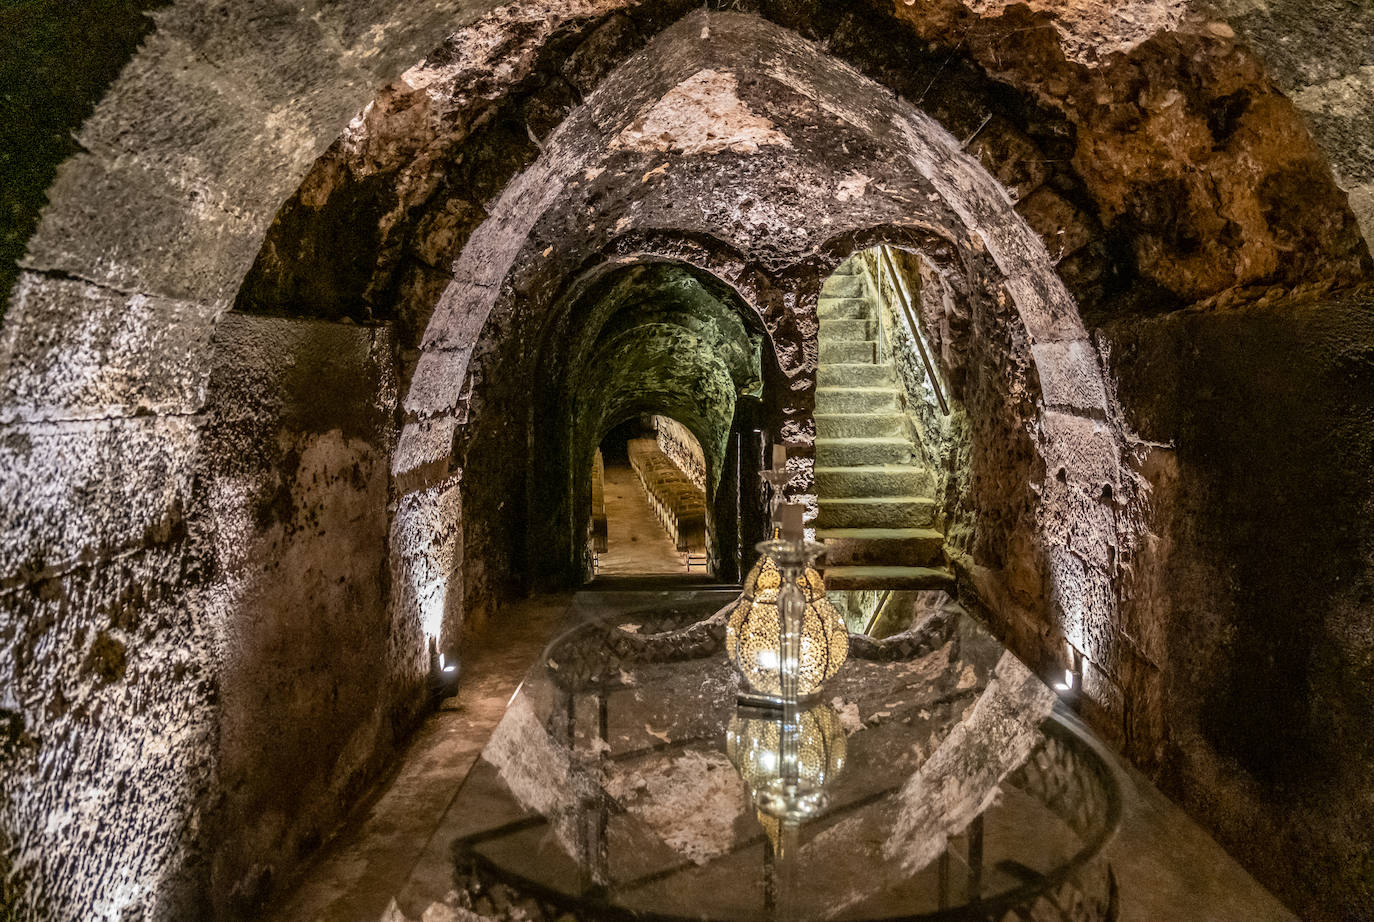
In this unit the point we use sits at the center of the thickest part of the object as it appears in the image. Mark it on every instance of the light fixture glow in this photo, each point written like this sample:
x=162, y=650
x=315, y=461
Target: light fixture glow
x=751, y=632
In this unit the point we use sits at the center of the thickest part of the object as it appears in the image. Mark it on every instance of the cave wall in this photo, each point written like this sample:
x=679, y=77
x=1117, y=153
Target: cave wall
x=316, y=681
x=1153, y=152
x=1249, y=611
x=1319, y=53
x=110, y=581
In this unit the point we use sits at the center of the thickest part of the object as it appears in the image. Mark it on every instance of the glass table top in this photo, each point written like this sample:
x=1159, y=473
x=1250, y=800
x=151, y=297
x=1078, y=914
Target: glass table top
x=621, y=784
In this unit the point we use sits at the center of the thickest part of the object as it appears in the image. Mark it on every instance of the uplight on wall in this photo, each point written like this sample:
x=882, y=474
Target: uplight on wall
x=1073, y=676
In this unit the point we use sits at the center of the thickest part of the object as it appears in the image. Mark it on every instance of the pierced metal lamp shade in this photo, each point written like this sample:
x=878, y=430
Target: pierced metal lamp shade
x=751, y=633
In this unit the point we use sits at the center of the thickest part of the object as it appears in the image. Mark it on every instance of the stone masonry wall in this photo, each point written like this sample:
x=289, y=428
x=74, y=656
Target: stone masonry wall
x=110, y=648
x=317, y=681
x=1250, y=665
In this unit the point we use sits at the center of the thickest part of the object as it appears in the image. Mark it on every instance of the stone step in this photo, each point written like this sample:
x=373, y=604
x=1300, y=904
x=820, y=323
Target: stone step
x=859, y=425
x=870, y=481
x=848, y=353
x=854, y=452
x=843, y=578
x=843, y=309
x=856, y=399
x=843, y=286
x=859, y=374
x=876, y=512
x=848, y=331
x=893, y=547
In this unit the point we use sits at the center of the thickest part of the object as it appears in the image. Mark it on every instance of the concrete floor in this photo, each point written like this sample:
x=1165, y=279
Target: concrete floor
x=637, y=543
x=393, y=861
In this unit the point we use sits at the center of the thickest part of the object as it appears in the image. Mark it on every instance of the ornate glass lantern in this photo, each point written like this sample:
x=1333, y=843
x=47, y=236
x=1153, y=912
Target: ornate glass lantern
x=753, y=629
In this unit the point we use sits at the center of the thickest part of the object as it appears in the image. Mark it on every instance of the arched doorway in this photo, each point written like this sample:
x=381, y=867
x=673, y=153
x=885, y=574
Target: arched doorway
x=651, y=340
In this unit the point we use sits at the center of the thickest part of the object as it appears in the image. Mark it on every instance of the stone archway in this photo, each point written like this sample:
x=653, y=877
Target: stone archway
x=1050, y=389
x=116, y=554
x=636, y=338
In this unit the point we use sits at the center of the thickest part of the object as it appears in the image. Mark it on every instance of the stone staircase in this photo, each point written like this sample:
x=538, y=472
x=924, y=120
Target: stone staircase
x=877, y=525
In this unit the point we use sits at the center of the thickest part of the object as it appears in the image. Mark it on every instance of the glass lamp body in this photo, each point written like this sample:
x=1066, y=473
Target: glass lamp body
x=751, y=633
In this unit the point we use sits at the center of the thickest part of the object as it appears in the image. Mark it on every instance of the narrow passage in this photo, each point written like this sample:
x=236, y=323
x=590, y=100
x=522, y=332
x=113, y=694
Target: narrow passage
x=395, y=845
x=636, y=542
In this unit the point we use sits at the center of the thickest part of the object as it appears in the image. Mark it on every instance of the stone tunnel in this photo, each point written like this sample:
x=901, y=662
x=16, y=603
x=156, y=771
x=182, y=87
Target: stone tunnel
x=316, y=315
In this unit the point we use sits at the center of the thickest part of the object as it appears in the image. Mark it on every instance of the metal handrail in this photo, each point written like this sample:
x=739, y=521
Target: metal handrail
x=904, y=298
x=877, y=612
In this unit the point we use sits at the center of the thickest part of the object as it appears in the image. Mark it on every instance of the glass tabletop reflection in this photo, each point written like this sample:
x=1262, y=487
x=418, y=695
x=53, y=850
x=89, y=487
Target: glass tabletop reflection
x=624, y=780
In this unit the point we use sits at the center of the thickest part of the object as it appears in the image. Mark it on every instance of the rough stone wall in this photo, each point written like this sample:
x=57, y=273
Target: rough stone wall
x=56, y=61
x=151, y=227
x=1248, y=611
x=677, y=442
x=756, y=190
x=1178, y=146
x=111, y=648
x=316, y=681
x=107, y=700
x=444, y=138
x=1321, y=55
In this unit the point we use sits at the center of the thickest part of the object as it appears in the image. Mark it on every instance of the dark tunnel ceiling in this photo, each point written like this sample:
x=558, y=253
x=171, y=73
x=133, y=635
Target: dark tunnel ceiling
x=653, y=338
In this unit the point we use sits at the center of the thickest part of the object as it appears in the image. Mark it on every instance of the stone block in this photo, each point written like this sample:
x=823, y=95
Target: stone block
x=308, y=375
x=427, y=549
x=1083, y=603
x=1362, y=203
x=440, y=375
x=274, y=49
x=217, y=145
x=1070, y=517
x=424, y=445
x=123, y=756
x=1304, y=43
x=1080, y=451
x=80, y=490
x=1070, y=375
x=119, y=224
x=1102, y=705
x=1043, y=303
x=1142, y=687
x=1339, y=112
x=390, y=38
x=71, y=349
